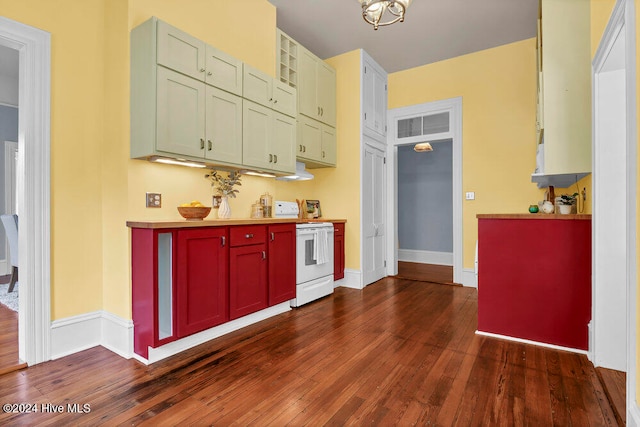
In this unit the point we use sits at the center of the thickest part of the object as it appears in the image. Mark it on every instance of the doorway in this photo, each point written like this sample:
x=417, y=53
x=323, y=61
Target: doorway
x=33, y=186
x=613, y=327
x=439, y=123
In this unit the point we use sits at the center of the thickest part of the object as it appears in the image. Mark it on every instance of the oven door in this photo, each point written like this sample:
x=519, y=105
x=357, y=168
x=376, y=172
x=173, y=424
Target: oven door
x=307, y=268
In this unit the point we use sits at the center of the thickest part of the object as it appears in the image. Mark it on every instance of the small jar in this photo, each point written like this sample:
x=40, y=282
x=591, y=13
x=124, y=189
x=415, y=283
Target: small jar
x=256, y=210
x=266, y=200
x=533, y=208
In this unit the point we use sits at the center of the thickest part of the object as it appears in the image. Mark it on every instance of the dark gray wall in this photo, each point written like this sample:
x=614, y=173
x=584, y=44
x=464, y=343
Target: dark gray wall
x=425, y=198
x=8, y=132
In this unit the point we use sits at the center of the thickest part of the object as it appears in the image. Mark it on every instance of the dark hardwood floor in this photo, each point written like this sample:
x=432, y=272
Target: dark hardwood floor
x=615, y=386
x=398, y=352
x=425, y=272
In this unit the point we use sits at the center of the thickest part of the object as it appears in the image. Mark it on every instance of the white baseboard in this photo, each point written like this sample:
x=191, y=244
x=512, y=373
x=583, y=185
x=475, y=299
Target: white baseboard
x=175, y=347
x=540, y=344
x=425, y=257
x=469, y=278
x=117, y=334
x=352, y=279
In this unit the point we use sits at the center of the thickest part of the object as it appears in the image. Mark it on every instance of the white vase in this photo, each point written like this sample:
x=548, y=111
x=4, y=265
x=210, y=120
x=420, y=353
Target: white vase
x=224, y=211
x=565, y=209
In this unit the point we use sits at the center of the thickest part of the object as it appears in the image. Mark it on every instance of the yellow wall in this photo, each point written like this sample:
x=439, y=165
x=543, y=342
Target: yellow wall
x=498, y=90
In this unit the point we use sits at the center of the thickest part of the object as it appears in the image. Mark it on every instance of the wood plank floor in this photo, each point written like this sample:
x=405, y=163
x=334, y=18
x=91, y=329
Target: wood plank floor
x=425, y=272
x=398, y=352
x=9, y=360
x=615, y=387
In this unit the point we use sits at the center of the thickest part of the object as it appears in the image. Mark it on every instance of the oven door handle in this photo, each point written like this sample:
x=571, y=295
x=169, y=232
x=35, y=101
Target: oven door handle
x=311, y=231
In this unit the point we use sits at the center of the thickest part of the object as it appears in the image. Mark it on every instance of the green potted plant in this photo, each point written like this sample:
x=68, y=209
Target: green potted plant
x=223, y=184
x=566, y=202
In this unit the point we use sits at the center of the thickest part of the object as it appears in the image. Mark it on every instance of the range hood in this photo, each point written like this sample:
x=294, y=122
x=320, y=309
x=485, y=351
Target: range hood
x=300, y=175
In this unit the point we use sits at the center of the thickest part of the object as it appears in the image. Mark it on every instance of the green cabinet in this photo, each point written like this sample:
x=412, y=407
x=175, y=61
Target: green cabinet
x=261, y=88
x=268, y=139
x=223, y=126
x=316, y=143
x=316, y=88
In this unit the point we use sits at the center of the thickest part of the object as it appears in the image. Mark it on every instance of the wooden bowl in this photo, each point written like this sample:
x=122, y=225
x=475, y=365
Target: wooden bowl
x=193, y=213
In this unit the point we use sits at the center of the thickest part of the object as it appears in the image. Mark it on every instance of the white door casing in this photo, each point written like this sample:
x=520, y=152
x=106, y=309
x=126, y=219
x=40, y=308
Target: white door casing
x=33, y=189
x=454, y=107
x=614, y=88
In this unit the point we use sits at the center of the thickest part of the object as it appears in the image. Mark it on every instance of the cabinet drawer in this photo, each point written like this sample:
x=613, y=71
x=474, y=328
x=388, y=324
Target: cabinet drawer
x=338, y=228
x=247, y=235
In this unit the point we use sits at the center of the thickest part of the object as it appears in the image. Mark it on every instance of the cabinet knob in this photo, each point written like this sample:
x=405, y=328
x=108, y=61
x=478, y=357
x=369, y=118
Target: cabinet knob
x=270, y=99
x=209, y=73
x=202, y=143
x=210, y=144
x=275, y=101
x=248, y=236
x=202, y=70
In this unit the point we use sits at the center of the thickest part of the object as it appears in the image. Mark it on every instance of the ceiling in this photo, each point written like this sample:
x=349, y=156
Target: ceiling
x=433, y=30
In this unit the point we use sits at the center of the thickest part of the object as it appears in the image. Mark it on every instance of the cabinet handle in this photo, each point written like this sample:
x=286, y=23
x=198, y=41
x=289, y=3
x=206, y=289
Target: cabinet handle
x=321, y=111
x=223, y=241
x=248, y=236
x=323, y=154
x=318, y=110
x=202, y=143
x=202, y=70
x=275, y=101
x=275, y=158
x=209, y=73
x=210, y=144
x=273, y=236
x=264, y=255
x=270, y=158
x=301, y=148
x=304, y=148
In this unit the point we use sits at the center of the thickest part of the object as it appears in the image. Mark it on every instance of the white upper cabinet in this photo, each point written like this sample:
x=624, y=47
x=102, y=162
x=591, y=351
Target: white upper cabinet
x=287, y=51
x=262, y=88
x=563, y=122
x=374, y=98
x=316, y=88
x=188, y=55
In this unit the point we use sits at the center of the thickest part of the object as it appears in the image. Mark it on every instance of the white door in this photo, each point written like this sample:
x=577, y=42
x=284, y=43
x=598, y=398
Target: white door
x=610, y=256
x=373, y=214
x=10, y=168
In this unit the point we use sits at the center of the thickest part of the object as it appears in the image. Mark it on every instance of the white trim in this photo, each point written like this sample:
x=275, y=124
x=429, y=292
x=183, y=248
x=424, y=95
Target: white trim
x=425, y=257
x=454, y=107
x=78, y=333
x=352, y=279
x=623, y=18
x=34, y=178
x=469, y=278
x=523, y=341
x=175, y=347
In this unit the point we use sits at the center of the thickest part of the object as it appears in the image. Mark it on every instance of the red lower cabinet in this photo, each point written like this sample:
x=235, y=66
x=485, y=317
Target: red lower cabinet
x=282, y=263
x=202, y=279
x=248, y=280
x=534, y=279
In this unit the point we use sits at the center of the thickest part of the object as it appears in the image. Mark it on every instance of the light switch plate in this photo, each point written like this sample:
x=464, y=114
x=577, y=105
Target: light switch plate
x=470, y=195
x=154, y=200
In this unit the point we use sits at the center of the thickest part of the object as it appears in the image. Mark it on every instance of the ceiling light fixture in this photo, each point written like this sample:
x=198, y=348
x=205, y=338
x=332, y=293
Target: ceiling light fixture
x=423, y=146
x=374, y=10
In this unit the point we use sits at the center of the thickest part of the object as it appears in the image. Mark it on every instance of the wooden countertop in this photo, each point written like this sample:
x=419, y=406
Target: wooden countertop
x=534, y=216
x=159, y=224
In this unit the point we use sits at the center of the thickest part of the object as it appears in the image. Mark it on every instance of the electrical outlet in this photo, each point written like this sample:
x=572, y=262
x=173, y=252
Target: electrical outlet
x=154, y=200
x=470, y=195
x=584, y=194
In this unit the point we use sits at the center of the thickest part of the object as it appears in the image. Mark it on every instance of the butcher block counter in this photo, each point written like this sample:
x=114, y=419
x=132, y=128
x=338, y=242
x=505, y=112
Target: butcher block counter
x=181, y=223
x=534, y=277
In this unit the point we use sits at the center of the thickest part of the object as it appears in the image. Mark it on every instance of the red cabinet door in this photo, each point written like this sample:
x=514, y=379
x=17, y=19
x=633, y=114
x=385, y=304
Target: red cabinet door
x=247, y=280
x=202, y=279
x=338, y=251
x=282, y=263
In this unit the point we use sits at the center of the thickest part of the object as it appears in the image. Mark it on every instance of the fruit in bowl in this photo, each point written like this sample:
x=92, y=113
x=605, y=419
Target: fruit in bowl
x=194, y=211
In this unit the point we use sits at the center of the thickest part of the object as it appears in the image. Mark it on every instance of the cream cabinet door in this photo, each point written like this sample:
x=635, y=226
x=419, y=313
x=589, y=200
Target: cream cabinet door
x=223, y=126
x=223, y=71
x=257, y=86
x=307, y=84
x=309, y=145
x=256, y=135
x=180, y=114
x=283, y=143
x=326, y=94
x=329, y=150
x=284, y=98
x=180, y=51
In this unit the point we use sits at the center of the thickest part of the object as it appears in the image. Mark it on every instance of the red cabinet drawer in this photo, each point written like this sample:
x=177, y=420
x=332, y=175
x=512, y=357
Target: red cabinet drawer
x=338, y=228
x=247, y=235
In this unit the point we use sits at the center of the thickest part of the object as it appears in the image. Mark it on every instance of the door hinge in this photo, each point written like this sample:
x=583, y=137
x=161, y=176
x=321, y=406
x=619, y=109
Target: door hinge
x=365, y=70
x=384, y=161
x=365, y=116
x=385, y=263
x=385, y=87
